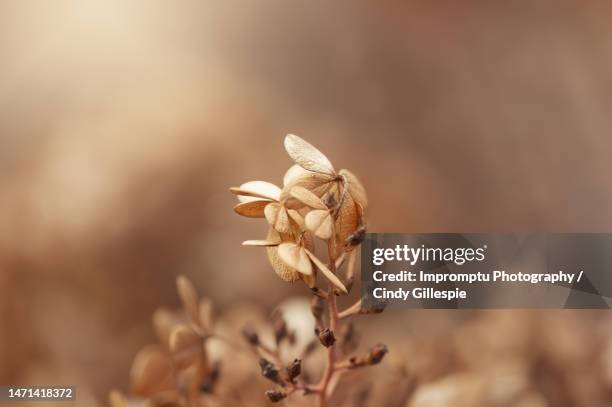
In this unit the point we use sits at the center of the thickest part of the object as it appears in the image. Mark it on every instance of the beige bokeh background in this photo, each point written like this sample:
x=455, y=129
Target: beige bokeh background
x=123, y=123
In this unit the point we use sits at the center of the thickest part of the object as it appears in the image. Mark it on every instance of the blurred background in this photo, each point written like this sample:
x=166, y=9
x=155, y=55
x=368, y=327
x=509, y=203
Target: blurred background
x=122, y=124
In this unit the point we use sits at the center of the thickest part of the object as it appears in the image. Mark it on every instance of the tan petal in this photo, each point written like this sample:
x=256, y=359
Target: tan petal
x=285, y=272
x=253, y=209
x=151, y=371
x=297, y=218
x=264, y=243
x=310, y=280
x=271, y=213
x=246, y=198
x=320, y=223
x=295, y=172
x=189, y=297
x=117, y=399
x=307, y=197
x=206, y=315
x=355, y=188
x=326, y=272
x=306, y=155
x=259, y=189
x=163, y=322
x=295, y=257
x=347, y=222
x=282, y=224
x=185, y=346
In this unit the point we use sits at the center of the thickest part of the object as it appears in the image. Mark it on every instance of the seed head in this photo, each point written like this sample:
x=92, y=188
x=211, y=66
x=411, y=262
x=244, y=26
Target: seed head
x=327, y=337
x=275, y=395
x=294, y=369
x=270, y=372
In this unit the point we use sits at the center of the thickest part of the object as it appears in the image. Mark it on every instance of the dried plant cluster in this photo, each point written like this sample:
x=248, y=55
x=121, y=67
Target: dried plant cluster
x=316, y=203
x=317, y=206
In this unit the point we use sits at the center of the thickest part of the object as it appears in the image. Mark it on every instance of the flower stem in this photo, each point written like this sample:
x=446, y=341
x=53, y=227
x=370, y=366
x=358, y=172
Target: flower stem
x=333, y=323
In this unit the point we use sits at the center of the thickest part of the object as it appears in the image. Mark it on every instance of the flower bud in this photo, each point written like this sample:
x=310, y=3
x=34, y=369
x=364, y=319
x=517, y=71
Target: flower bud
x=294, y=369
x=275, y=395
x=376, y=354
x=269, y=371
x=327, y=337
x=250, y=335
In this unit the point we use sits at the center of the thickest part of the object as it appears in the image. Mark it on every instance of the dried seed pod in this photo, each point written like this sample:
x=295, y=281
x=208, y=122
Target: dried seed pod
x=270, y=372
x=327, y=338
x=189, y=297
x=280, y=328
x=307, y=156
x=275, y=395
x=376, y=354
x=294, y=369
x=257, y=189
x=151, y=372
x=185, y=346
x=250, y=335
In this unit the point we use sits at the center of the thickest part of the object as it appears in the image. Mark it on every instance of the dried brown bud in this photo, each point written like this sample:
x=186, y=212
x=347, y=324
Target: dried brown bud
x=376, y=354
x=250, y=335
x=294, y=369
x=317, y=307
x=275, y=395
x=208, y=385
x=280, y=328
x=327, y=337
x=355, y=238
x=270, y=372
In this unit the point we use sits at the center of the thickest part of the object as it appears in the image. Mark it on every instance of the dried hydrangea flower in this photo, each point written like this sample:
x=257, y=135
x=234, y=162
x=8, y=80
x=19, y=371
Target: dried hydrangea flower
x=315, y=201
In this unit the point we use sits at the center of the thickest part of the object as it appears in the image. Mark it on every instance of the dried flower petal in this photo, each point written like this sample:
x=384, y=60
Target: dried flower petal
x=307, y=197
x=163, y=322
x=320, y=223
x=347, y=222
x=206, y=315
x=297, y=218
x=253, y=209
x=189, y=297
x=296, y=257
x=117, y=399
x=310, y=280
x=326, y=272
x=306, y=155
x=277, y=216
x=265, y=243
x=355, y=188
x=295, y=172
x=285, y=272
x=259, y=189
x=151, y=372
x=185, y=346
